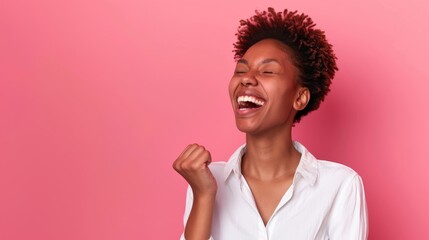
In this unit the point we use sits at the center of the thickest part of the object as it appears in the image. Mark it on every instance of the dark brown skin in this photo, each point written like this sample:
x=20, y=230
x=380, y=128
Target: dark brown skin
x=266, y=71
x=192, y=164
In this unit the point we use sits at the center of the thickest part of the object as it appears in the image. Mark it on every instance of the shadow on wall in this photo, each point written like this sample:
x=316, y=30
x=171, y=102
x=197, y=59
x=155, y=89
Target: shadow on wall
x=354, y=127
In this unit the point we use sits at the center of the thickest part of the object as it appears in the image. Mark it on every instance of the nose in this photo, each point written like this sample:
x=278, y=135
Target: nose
x=249, y=80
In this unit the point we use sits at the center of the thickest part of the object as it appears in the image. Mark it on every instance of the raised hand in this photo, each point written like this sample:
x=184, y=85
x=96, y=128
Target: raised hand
x=192, y=164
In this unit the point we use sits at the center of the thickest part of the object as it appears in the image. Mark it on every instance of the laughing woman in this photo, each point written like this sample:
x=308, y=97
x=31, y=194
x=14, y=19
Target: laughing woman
x=272, y=187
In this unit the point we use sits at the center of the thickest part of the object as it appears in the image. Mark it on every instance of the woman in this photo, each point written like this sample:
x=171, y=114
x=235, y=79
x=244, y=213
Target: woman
x=272, y=187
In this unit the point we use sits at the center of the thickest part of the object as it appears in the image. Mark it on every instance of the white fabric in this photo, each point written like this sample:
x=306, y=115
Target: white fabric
x=325, y=201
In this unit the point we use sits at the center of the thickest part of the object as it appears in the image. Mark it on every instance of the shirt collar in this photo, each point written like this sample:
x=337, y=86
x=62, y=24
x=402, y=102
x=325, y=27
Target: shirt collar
x=307, y=167
x=234, y=163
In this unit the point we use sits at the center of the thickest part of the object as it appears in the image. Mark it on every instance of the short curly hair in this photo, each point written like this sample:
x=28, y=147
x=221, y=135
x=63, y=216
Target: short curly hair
x=311, y=53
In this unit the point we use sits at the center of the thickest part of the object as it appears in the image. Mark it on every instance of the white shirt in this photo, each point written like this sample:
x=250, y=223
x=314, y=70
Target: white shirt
x=325, y=201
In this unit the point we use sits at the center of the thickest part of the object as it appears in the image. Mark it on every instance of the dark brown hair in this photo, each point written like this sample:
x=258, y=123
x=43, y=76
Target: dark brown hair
x=311, y=52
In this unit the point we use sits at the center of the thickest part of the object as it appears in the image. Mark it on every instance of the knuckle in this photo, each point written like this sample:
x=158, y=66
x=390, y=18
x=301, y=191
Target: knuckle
x=207, y=155
x=176, y=164
x=176, y=167
x=195, y=165
x=185, y=166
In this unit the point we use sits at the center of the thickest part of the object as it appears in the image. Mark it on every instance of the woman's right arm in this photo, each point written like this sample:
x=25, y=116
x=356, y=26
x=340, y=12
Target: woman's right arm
x=192, y=164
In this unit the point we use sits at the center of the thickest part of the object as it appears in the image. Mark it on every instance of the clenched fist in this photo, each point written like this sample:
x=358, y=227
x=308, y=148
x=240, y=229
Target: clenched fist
x=192, y=164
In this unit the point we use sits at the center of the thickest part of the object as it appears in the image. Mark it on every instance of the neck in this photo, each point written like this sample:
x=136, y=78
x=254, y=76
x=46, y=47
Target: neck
x=270, y=155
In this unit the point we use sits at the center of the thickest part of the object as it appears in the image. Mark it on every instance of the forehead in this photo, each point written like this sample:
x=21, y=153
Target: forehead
x=268, y=48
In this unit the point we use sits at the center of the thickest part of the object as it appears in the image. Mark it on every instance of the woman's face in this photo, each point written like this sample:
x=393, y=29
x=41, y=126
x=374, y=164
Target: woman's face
x=264, y=90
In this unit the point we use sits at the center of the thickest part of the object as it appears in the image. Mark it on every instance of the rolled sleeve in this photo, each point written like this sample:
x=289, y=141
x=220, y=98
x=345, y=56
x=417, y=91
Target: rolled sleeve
x=349, y=217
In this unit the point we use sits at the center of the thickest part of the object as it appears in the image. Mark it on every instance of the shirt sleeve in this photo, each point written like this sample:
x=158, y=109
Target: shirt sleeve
x=188, y=207
x=349, y=217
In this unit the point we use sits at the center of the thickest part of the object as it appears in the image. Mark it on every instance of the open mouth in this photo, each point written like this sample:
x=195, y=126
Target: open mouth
x=249, y=102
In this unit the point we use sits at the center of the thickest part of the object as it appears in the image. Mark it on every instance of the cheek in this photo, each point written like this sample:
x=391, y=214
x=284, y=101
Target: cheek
x=280, y=94
x=275, y=89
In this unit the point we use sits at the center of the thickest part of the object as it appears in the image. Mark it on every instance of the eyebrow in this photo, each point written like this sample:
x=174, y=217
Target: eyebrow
x=244, y=61
x=265, y=61
x=269, y=60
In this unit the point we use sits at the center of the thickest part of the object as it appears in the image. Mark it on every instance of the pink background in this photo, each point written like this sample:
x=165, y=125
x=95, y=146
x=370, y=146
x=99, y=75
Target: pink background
x=97, y=98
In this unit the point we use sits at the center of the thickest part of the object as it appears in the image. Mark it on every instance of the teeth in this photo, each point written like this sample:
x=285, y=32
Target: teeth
x=250, y=99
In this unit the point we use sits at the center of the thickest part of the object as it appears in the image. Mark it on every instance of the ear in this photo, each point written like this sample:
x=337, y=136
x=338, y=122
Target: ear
x=301, y=101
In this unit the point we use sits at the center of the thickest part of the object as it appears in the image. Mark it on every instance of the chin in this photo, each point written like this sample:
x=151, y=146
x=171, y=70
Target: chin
x=246, y=128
